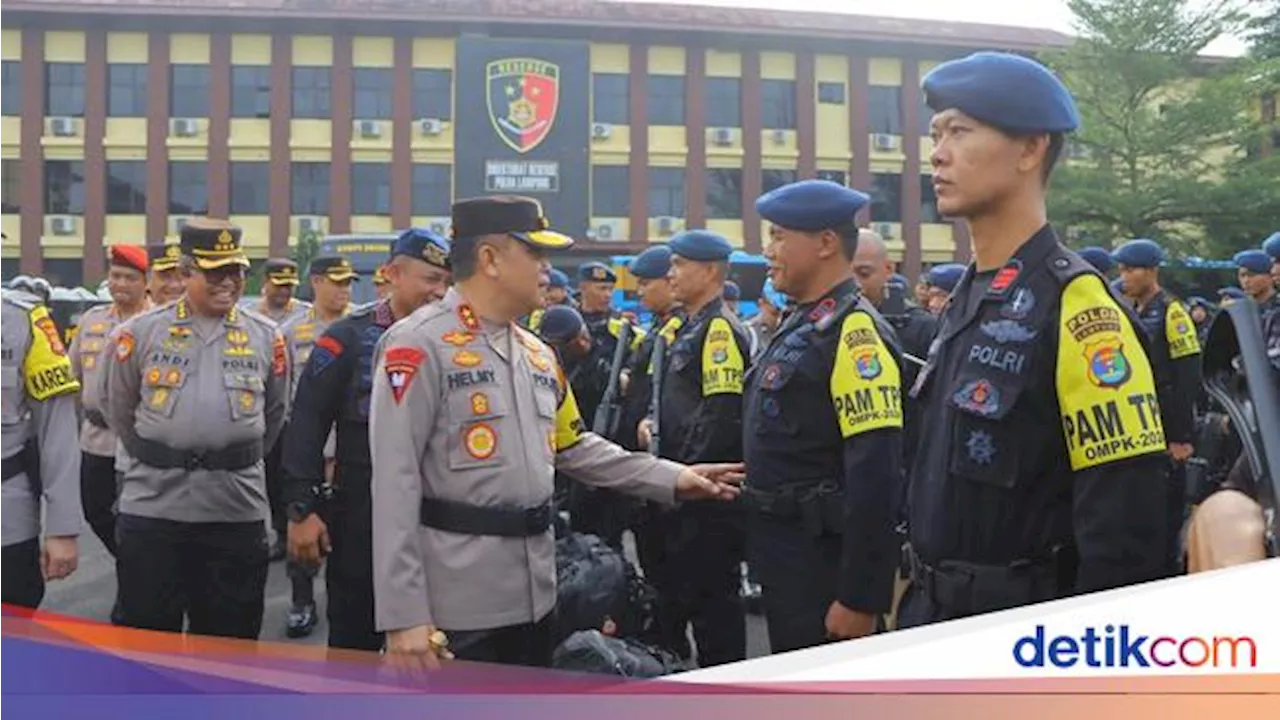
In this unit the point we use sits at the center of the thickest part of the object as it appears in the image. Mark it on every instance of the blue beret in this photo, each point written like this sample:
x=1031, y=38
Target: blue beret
x=1271, y=246
x=596, y=272
x=700, y=245
x=946, y=276
x=899, y=280
x=652, y=263
x=1254, y=261
x=422, y=244
x=732, y=291
x=1006, y=91
x=777, y=299
x=810, y=205
x=1231, y=292
x=1140, y=253
x=560, y=323
x=1097, y=257
x=1196, y=300
x=558, y=278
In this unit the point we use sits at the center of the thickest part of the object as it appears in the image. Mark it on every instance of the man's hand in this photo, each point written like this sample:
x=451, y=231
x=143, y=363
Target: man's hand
x=58, y=557
x=644, y=432
x=309, y=540
x=845, y=624
x=719, y=481
x=624, y=380
x=417, y=648
x=1180, y=452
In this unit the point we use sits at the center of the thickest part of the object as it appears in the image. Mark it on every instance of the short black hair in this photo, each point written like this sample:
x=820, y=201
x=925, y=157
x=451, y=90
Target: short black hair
x=464, y=255
x=1057, y=141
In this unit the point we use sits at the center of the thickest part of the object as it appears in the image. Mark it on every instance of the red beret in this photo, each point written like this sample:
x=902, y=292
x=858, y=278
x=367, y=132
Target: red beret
x=130, y=256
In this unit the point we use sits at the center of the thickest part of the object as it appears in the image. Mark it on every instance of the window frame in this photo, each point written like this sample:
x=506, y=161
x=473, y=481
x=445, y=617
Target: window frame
x=426, y=98
x=137, y=185
x=260, y=92
x=723, y=102
x=735, y=198
x=423, y=191
x=75, y=200
x=195, y=89
x=260, y=205
x=76, y=102
x=311, y=100
x=660, y=87
x=669, y=189
x=371, y=188
x=617, y=108
x=313, y=170
x=197, y=176
x=606, y=177
x=382, y=98
x=782, y=104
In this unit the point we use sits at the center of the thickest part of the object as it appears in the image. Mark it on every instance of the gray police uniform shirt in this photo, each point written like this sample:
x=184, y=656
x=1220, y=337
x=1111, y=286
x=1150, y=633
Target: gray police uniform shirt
x=301, y=331
x=474, y=412
x=292, y=310
x=195, y=383
x=87, y=359
x=39, y=400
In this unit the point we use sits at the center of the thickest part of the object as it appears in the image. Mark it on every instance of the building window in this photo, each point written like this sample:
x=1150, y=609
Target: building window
x=309, y=186
x=724, y=102
x=311, y=93
x=831, y=93
x=63, y=89
x=63, y=187
x=774, y=179
x=884, y=109
x=370, y=188
x=835, y=176
x=189, y=91
x=372, y=97
x=126, y=187
x=886, y=197
x=929, y=202
x=666, y=99
x=432, y=189
x=610, y=190
x=188, y=187
x=778, y=101
x=611, y=98
x=127, y=90
x=11, y=89
x=250, y=91
x=666, y=192
x=10, y=172
x=724, y=194
x=432, y=94
x=250, y=188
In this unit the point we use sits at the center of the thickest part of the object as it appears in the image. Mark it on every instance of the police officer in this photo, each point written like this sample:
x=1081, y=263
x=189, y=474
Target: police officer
x=39, y=407
x=533, y=320
x=164, y=282
x=596, y=282
x=331, y=277
x=196, y=391
x=1175, y=359
x=823, y=426
x=127, y=283
x=470, y=417
x=333, y=391
x=700, y=420
x=381, y=286
x=1099, y=258
x=1271, y=320
x=1254, y=272
x=1041, y=449
x=279, y=281
x=1227, y=295
x=732, y=296
x=766, y=322
x=942, y=281
x=1271, y=246
x=558, y=288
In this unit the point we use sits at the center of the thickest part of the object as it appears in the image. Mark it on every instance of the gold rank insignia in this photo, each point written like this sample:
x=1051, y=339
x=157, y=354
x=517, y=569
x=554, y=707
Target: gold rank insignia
x=225, y=242
x=88, y=361
x=153, y=376
x=458, y=338
x=236, y=336
x=172, y=251
x=179, y=331
x=159, y=397
x=599, y=274
x=98, y=328
x=468, y=317
x=479, y=403
x=539, y=361
x=173, y=378
x=466, y=358
x=246, y=400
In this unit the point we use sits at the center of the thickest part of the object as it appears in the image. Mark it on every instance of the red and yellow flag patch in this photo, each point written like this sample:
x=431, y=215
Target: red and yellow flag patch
x=402, y=365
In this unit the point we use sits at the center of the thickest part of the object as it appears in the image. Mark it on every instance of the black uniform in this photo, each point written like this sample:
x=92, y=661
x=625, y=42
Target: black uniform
x=914, y=329
x=1041, y=448
x=823, y=441
x=334, y=390
x=1270, y=311
x=1175, y=359
x=701, y=422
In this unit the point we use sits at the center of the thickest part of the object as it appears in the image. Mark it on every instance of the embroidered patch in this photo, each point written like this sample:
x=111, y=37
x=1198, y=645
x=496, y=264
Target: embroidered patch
x=327, y=350
x=1005, y=277
x=159, y=397
x=1019, y=305
x=468, y=317
x=89, y=361
x=867, y=363
x=124, y=347
x=98, y=328
x=246, y=400
x=153, y=376
x=179, y=331
x=237, y=336
x=538, y=360
x=402, y=365
x=279, y=356
x=173, y=378
x=458, y=338
x=1108, y=366
x=50, y=330
x=982, y=449
x=769, y=380
x=529, y=342
x=770, y=408
x=822, y=309
x=480, y=441
x=479, y=403
x=466, y=359
x=979, y=397
x=1006, y=331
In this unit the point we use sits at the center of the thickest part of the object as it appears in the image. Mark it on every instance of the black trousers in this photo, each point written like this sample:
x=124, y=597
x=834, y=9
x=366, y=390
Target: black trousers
x=98, y=496
x=23, y=583
x=349, y=574
x=213, y=575
x=1175, y=515
x=301, y=577
x=797, y=574
x=699, y=581
x=527, y=644
x=600, y=512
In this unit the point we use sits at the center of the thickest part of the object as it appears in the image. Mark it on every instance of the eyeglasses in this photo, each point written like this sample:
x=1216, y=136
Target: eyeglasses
x=217, y=276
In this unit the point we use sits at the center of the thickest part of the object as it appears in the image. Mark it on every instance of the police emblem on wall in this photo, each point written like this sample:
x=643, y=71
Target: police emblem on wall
x=523, y=96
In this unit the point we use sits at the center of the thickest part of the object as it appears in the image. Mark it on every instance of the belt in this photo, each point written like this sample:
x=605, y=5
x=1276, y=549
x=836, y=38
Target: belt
x=96, y=419
x=14, y=466
x=159, y=455
x=818, y=505
x=467, y=519
x=965, y=588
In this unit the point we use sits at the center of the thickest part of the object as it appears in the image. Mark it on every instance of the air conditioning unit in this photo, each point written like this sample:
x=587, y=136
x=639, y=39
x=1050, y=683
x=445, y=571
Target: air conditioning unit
x=310, y=224
x=431, y=126
x=668, y=225
x=601, y=131
x=884, y=230
x=176, y=224
x=615, y=231
x=183, y=127
x=62, y=225
x=779, y=137
x=369, y=128
x=886, y=143
x=63, y=127
x=722, y=136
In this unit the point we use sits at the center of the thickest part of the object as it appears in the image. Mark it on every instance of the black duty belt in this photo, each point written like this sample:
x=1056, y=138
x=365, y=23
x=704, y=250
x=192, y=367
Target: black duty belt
x=467, y=519
x=14, y=466
x=817, y=505
x=965, y=588
x=96, y=419
x=159, y=455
